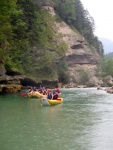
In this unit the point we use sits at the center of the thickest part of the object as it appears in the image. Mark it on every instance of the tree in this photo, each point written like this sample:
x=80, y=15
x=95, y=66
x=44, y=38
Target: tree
x=66, y=10
x=63, y=72
x=107, y=66
x=6, y=10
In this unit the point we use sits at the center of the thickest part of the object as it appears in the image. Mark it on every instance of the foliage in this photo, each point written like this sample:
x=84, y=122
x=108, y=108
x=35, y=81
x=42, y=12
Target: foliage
x=61, y=48
x=26, y=37
x=28, y=42
x=6, y=9
x=66, y=10
x=63, y=72
x=107, y=67
x=73, y=13
x=84, y=77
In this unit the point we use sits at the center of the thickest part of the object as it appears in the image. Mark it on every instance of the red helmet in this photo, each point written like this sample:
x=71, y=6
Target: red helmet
x=49, y=90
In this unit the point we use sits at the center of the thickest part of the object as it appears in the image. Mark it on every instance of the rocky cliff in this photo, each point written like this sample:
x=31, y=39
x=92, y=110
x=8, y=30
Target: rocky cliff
x=82, y=60
x=80, y=56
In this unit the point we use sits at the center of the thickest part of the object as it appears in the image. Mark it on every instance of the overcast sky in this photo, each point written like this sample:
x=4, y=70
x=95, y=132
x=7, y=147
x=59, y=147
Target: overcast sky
x=102, y=12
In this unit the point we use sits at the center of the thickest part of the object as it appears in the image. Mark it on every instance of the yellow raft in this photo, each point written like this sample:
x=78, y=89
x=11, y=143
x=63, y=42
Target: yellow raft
x=46, y=101
x=35, y=94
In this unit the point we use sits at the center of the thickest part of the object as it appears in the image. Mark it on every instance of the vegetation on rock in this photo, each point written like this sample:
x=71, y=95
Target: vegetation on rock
x=29, y=44
x=27, y=41
x=107, y=66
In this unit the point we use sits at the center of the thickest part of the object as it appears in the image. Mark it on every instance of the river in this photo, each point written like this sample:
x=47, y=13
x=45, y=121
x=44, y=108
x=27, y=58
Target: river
x=84, y=121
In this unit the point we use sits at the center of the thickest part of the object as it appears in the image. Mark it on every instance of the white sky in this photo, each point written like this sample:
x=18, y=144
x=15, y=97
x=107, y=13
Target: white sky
x=102, y=12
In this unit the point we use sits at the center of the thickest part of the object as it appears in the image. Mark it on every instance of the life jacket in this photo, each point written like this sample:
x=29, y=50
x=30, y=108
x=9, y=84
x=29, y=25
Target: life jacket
x=49, y=96
x=55, y=96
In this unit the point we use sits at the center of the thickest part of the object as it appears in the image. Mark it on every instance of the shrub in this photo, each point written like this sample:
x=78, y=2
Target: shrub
x=84, y=76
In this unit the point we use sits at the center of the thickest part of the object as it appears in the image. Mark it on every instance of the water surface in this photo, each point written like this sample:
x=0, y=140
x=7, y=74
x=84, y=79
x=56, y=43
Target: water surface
x=84, y=121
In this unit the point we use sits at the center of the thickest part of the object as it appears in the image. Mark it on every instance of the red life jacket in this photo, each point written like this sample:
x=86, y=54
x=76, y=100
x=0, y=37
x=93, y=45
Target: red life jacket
x=55, y=96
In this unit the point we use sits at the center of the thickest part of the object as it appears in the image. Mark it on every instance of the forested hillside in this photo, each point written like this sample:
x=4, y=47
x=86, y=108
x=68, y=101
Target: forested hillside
x=74, y=14
x=28, y=42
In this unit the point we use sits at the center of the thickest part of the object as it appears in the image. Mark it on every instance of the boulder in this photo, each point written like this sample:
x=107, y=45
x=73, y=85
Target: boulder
x=81, y=86
x=94, y=81
x=99, y=87
x=109, y=90
x=108, y=80
x=11, y=88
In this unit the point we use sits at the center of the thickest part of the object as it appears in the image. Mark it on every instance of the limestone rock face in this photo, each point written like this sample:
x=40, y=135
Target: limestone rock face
x=12, y=88
x=50, y=9
x=80, y=56
x=9, y=84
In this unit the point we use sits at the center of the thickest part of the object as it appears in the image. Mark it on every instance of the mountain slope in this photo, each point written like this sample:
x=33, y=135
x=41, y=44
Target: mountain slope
x=49, y=49
x=109, y=55
x=82, y=59
x=107, y=44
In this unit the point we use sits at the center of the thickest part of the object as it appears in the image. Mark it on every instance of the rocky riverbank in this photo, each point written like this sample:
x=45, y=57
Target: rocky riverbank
x=12, y=82
x=109, y=90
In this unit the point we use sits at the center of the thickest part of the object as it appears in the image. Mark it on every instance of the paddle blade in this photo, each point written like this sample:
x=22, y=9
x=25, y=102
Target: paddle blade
x=23, y=94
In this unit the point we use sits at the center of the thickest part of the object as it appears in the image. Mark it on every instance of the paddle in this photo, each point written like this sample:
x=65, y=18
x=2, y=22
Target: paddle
x=23, y=94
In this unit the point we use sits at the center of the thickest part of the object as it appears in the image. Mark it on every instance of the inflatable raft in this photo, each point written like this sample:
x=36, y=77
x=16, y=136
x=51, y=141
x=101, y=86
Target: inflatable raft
x=46, y=101
x=35, y=94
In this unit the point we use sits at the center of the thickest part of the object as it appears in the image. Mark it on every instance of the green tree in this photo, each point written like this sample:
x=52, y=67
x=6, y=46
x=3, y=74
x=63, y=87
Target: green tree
x=107, y=67
x=63, y=72
x=66, y=10
x=6, y=9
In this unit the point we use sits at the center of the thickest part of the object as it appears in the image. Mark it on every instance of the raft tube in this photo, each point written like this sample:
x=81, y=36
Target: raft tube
x=35, y=94
x=52, y=102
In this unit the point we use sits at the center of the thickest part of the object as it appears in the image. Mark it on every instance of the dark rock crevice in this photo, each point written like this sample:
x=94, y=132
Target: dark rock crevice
x=78, y=46
x=80, y=59
x=12, y=73
x=29, y=82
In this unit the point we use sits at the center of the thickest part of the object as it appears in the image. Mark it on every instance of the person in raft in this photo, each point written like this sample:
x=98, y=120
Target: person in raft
x=30, y=89
x=40, y=89
x=34, y=89
x=57, y=91
x=44, y=91
x=55, y=95
x=49, y=94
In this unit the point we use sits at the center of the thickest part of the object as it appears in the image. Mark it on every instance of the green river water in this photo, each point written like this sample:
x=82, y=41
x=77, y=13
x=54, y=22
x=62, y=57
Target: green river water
x=84, y=121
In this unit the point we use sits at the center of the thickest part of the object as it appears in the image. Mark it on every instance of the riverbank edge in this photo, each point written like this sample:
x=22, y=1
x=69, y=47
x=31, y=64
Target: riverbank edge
x=13, y=82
